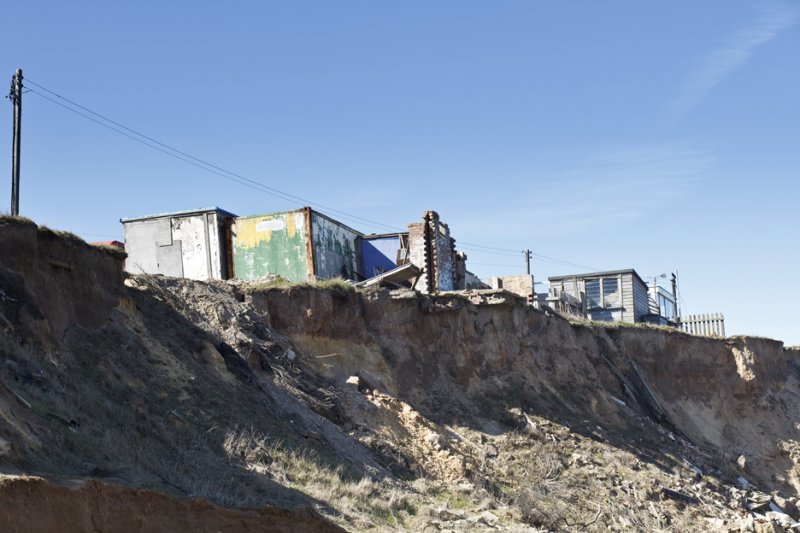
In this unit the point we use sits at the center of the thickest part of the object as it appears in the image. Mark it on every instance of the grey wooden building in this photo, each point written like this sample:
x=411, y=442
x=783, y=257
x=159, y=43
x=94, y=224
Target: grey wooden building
x=614, y=296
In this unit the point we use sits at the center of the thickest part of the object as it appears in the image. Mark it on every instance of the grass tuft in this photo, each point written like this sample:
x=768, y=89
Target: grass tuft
x=12, y=219
x=336, y=285
x=68, y=235
x=364, y=502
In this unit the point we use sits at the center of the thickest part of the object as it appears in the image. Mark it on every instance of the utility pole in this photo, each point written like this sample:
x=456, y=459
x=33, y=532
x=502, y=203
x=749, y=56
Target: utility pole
x=16, y=99
x=528, y=255
x=675, y=294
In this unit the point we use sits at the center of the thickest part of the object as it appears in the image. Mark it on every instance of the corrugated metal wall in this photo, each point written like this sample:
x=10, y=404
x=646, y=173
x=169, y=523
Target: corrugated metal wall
x=271, y=244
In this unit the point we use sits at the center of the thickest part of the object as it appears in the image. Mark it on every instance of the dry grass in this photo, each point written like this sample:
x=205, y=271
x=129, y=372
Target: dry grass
x=363, y=502
x=599, y=324
x=15, y=219
x=336, y=285
x=114, y=251
x=67, y=235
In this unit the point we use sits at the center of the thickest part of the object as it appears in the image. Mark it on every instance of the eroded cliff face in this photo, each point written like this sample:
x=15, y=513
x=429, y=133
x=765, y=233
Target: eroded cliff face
x=75, y=283
x=35, y=504
x=370, y=410
x=737, y=395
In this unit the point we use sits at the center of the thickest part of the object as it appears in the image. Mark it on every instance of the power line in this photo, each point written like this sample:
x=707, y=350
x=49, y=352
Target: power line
x=97, y=234
x=514, y=252
x=188, y=158
x=562, y=262
x=492, y=265
x=143, y=142
x=171, y=151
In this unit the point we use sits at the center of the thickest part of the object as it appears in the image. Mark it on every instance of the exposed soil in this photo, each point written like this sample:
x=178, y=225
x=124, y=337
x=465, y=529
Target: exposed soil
x=31, y=504
x=234, y=406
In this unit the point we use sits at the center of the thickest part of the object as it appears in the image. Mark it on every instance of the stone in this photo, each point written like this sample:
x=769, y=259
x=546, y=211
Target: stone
x=368, y=380
x=446, y=514
x=768, y=527
x=786, y=505
x=488, y=519
x=353, y=382
x=742, y=461
x=436, y=440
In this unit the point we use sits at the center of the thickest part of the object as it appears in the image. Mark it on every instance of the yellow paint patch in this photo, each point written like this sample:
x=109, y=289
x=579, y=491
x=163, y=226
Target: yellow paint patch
x=291, y=227
x=246, y=234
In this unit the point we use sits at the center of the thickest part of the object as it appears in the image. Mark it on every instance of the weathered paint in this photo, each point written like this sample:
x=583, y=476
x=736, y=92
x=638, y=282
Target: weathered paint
x=445, y=257
x=521, y=284
x=188, y=244
x=271, y=244
x=335, y=248
x=191, y=231
x=431, y=248
x=140, y=247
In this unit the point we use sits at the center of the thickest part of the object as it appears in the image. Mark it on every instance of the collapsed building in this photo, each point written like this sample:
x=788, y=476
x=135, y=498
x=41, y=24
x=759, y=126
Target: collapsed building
x=299, y=245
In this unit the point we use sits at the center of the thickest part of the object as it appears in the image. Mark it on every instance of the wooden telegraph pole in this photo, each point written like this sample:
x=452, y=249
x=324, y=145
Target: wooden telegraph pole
x=16, y=100
x=528, y=255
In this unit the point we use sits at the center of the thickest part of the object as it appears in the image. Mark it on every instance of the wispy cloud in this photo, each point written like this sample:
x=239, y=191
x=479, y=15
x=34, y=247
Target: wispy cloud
x=602, y=191
x=622, y=186
x=719, y=63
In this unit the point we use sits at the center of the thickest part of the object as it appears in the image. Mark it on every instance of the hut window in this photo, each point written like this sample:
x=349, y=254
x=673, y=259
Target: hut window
x=602, y=293
x=611, y=292
x=593, y=298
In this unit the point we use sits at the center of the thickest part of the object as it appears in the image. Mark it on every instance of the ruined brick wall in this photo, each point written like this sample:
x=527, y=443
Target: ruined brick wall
x=461, y=269
x=443, y=249
x=522, y=285
x=432, y=248
x=417, y=254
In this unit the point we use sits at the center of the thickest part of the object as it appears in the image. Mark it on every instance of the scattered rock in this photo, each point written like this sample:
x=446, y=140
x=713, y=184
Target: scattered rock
x=487, y=518
x=768, y=527
x=741, y=461
x=436, y=440
x=679, y=496
x=449, y=515
x=368, y=380
x=353, y=382
x=786, y=506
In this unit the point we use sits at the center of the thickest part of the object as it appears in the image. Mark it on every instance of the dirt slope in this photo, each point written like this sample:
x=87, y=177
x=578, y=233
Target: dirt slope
x=737, y=396
x=379, y=410
x=36, y=505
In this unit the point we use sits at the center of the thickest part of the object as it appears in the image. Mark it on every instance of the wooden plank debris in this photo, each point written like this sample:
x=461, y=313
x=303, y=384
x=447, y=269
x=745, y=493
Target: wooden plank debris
x=396, y=275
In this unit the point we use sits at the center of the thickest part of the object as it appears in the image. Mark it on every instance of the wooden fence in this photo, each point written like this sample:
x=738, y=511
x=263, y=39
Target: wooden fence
x=708, y=325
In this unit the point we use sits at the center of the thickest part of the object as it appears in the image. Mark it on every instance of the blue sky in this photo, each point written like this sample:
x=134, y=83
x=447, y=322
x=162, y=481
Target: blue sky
x=608, y=135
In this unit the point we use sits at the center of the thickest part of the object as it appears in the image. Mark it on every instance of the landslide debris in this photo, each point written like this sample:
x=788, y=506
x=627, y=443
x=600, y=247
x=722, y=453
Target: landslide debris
x=303, y=407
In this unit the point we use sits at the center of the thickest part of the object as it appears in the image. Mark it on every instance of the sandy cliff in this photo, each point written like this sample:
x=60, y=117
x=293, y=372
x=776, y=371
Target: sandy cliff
x=250, y=407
